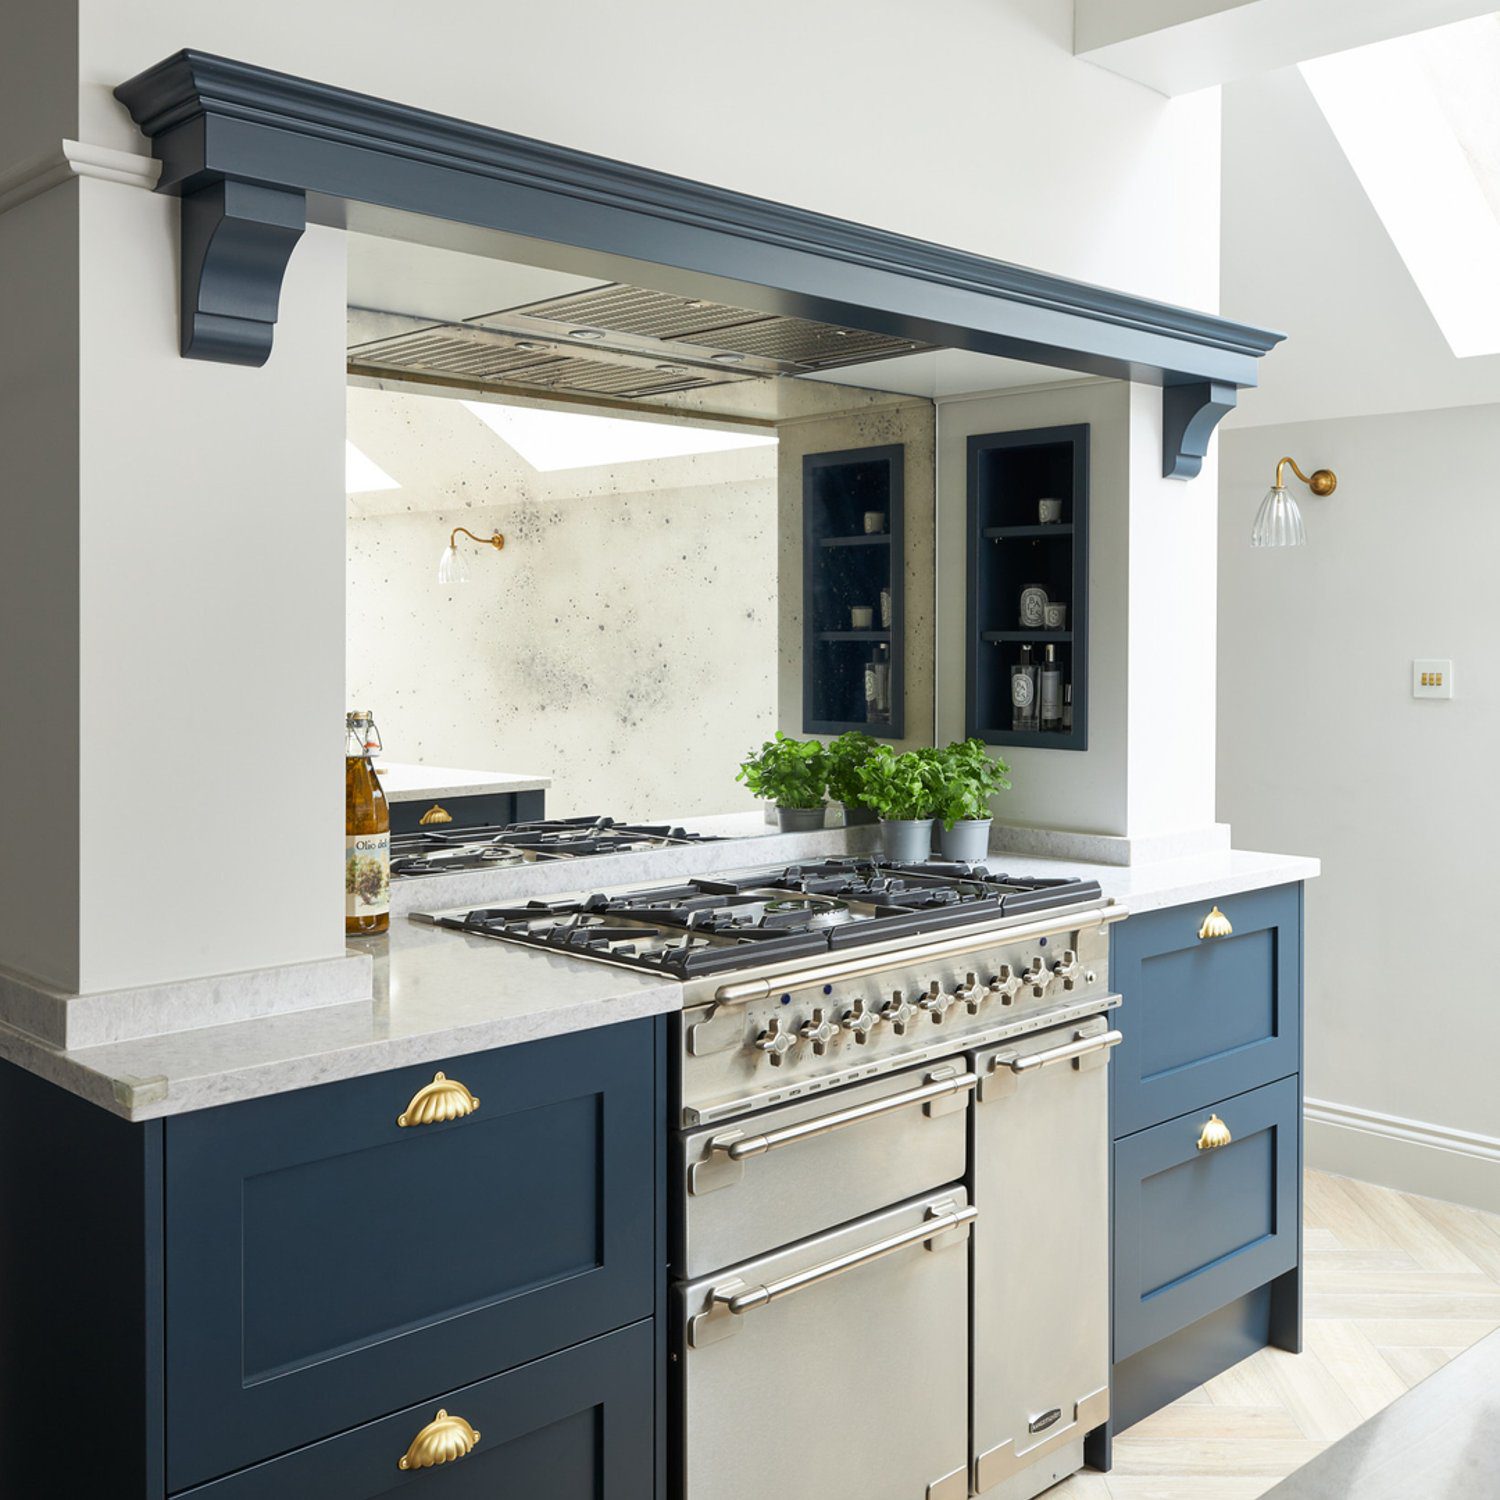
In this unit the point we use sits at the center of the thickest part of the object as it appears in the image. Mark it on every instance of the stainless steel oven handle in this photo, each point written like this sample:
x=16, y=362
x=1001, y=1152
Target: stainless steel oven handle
x=1065, y=1053
x=739, y=1298
x=737, y=1147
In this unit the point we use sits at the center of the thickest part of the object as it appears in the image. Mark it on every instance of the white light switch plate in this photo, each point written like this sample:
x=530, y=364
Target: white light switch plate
x=1431, y=678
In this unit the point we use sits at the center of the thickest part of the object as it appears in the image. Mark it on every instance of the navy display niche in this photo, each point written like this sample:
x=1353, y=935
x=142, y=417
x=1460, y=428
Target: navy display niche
x=1010, y=550
x=317, y=1292
x=845, y=567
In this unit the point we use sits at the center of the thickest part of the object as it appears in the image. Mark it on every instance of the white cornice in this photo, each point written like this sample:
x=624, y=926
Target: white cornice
x=30, y=179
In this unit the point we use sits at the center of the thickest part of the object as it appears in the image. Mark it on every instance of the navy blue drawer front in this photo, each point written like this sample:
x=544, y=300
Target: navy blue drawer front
x=573, y=1426
x=324, y=1264
x=1205, y=1018
x=1196, y=1228
x=469, y=812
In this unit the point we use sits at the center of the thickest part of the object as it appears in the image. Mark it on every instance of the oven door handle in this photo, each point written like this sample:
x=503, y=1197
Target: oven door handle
x=737, y=1147
x=1069, y=1051
x=941, y=1219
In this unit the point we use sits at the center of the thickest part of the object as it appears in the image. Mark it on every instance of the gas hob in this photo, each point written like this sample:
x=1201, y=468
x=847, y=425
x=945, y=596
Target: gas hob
x=440, y=851
x=717, y=924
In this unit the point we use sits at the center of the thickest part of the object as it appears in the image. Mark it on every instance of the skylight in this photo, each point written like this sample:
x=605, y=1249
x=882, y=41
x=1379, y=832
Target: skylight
x=1417, y=120
x=362, y=474
x=551, y=440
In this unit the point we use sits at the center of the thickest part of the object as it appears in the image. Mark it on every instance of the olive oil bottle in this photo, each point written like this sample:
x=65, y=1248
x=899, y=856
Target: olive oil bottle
x=367, y=831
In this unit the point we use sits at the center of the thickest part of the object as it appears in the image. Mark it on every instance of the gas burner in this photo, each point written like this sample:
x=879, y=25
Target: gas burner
x=712, y=924
x=430, y=851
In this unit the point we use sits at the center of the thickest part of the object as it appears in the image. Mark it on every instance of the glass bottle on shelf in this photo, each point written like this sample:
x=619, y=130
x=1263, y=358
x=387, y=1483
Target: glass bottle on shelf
x=1067, y=709
x=367, y=831
x=1023, y=692
x=1051, y=691
x=878, y=686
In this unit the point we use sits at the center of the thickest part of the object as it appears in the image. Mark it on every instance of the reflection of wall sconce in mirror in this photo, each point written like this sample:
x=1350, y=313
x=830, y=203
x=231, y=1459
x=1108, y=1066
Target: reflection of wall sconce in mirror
x=452, y=567
x=1278, y=522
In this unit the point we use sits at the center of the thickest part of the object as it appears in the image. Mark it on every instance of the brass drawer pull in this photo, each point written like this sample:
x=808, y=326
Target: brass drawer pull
x=1215, y=925
x=435, y=814
x=443, y=1440
x=443, y=1099
x=1214, y=1134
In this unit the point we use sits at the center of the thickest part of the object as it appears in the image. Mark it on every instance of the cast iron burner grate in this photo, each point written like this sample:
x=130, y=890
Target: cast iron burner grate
x=443, y=851
x=713, y=924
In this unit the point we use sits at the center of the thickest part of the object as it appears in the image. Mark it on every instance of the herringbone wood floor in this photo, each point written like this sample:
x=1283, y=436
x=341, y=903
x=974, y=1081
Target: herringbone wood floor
x=1394, y=1286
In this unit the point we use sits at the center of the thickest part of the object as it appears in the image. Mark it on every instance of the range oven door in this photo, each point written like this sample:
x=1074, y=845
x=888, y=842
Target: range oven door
x=837, y=1369
x=1041, y=1256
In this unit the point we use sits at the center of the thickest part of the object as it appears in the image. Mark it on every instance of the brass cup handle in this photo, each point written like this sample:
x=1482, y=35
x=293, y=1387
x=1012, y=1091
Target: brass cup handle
x=443, y=1099
x=1215, y=925
x=443, y=1440
x=1214, y=1134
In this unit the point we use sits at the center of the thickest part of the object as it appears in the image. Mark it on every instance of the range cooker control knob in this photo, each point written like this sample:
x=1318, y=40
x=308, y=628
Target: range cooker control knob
x=1038, y=976
x=936, y=1002
x=819, y=1031
x=775, y=1042
x=1007, y=984
x=860, y=1021
x=1067, y=968
x=972, y=993
x=899, y=1012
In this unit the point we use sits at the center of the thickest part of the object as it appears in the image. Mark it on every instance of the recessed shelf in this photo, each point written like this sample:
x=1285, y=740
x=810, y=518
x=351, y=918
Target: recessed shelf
x=1011, y=552
x=1002, y=533
x=1027, y=637
x=845, y=568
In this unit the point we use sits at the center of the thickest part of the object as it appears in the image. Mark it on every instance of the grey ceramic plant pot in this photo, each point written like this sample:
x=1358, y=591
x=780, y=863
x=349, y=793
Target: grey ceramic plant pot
x=967, y=840
x=856, y=816
x=906, y=840
x=801, y=819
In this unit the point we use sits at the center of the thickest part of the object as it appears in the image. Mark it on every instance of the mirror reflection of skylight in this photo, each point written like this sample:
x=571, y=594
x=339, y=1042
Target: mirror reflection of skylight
x=1418, y=120
x=362, y=474
x=550, y=440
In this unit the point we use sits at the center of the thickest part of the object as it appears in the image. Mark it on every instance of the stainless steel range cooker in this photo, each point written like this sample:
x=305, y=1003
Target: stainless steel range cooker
x=890, y=1258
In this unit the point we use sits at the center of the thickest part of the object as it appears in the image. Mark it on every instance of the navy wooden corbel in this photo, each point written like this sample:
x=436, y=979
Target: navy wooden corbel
x=236, y=240
x=1189, y=414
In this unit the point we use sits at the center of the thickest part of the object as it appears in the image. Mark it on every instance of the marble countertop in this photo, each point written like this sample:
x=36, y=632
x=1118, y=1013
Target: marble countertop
x=440, y=993
x=404, y=782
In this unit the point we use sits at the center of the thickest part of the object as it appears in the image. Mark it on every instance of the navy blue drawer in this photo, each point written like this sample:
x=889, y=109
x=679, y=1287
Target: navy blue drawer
x=1196, y=1228
x=325, y=1264
x=482, y=809
x=1207, y=1017
x=574, y=1426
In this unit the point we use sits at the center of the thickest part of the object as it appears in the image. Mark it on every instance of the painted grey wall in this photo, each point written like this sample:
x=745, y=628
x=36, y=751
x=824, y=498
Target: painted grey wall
x=1322, y=750
x=623, y=643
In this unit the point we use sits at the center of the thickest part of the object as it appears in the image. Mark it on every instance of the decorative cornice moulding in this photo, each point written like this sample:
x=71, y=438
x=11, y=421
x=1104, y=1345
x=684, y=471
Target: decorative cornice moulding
x=30, y=179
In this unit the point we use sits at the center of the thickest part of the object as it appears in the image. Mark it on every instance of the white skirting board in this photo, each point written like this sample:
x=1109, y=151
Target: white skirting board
x=1412, y=1156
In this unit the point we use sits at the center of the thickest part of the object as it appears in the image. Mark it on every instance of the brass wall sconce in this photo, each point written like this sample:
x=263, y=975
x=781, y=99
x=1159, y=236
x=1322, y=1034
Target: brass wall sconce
x=451, y=565
x=1278, y=522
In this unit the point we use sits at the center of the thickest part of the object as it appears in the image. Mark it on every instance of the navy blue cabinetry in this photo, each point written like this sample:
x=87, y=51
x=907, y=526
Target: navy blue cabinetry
x=1206, y=1117
x=281, y=1294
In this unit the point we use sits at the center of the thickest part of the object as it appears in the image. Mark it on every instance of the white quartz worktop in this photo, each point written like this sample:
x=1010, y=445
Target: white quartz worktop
x=403, y=782
x=440, y=993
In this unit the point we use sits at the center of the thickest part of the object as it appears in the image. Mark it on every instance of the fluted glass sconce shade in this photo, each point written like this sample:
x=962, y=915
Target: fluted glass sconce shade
x=453, y=566
x=1278, y=522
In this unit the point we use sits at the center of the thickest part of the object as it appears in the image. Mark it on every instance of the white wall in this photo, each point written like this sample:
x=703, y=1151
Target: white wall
x=1149, y=766
x=972, y=125
x=1323, y=750
x=622, y=643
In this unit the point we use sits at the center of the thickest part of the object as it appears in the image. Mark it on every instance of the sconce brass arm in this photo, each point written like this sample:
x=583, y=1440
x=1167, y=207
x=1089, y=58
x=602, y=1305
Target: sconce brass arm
x=496, y=541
